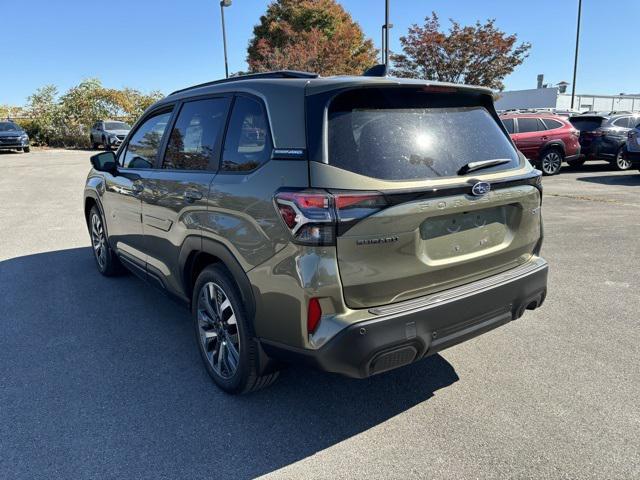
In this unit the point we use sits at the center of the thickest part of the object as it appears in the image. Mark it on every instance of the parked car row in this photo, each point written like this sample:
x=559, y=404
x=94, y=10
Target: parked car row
x=548, y=140
x=13, y=137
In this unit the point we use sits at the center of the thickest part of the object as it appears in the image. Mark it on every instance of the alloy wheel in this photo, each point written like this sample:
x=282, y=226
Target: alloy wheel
x=218, y=330
x=551, y=163
x=98, y=240
x=621, y=162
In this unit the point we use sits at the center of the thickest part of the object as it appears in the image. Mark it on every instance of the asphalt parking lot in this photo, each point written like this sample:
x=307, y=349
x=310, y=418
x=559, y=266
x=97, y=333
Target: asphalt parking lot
x=100, y=378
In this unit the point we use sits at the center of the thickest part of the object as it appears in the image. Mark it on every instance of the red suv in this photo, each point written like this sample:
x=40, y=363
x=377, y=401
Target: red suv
x=546, y=140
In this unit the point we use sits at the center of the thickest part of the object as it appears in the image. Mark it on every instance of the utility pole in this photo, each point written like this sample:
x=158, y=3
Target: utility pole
x=575, y=62
x=223, y=4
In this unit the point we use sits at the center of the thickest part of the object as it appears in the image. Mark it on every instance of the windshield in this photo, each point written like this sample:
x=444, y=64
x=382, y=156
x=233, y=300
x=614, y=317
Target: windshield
x=9, y=127
x=369, y=135
x=116, y=126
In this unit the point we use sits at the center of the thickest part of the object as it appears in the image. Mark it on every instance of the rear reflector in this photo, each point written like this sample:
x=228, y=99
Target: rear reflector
x=314, y=314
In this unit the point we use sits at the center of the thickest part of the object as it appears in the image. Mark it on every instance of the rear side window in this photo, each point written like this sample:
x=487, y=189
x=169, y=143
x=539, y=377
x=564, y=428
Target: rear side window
x=246, y=145
x=195, y=136
x=552, y=124
x=586, y=124
x=622, y=122
x=508, y=124
x=528, y=125
x=407, y=134
x=143, y=147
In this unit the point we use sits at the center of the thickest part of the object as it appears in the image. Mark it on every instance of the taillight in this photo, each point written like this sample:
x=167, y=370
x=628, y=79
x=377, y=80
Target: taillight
x=575, y=133
x=314, y=313
x=315, y=217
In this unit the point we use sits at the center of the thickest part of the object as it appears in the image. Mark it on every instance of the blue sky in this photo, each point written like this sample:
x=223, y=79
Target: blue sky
x=165, y=45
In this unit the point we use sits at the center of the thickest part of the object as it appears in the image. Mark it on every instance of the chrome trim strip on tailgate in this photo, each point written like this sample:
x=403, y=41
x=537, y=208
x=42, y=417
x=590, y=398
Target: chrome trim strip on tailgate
x=424, y=302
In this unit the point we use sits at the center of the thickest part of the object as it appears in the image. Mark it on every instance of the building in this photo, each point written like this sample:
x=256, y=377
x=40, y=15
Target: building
x=546, y=96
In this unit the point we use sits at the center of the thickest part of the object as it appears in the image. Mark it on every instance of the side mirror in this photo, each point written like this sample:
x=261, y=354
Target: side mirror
x=105, y=162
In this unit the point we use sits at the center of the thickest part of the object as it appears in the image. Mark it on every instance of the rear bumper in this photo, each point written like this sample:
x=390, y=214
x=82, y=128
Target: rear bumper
x=402, y=333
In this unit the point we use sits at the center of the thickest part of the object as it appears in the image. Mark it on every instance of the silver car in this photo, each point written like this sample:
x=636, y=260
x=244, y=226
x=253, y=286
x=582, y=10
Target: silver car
x=108, y=133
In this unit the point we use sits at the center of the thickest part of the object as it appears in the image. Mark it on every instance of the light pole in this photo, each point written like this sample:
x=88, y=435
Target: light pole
x=223, y=4
x=384, y=42
x=575, y=62
x=386, y=35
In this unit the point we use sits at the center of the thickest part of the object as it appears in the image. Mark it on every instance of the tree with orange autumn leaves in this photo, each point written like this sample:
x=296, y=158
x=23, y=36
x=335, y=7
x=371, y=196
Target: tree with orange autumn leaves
x=310, y=35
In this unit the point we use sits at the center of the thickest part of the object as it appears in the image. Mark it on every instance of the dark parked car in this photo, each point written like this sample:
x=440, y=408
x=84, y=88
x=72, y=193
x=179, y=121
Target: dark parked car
x=546, y=140
x=604, y=137
x=108, y=133
x=13, y=137
x=350, y=223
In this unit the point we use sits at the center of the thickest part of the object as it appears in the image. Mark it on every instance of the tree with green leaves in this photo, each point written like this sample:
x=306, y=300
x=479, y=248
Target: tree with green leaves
x=310, y=35
x=479, y=54
x=65, y=120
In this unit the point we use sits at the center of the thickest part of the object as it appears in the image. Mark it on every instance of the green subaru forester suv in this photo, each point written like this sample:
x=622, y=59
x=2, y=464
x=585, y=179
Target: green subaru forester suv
x=356, y=224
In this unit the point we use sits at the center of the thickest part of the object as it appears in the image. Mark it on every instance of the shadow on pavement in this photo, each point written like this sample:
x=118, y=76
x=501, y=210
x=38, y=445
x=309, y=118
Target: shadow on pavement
x=591, y=166
x=630, y=180
x=101, y=378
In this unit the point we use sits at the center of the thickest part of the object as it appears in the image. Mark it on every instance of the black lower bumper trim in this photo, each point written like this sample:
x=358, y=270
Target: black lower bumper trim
x=390, y=341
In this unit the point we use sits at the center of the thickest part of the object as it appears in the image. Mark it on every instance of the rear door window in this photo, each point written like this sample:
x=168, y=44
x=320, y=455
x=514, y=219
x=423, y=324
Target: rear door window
x=195, y=137
x=528, y=125
x=402, y=134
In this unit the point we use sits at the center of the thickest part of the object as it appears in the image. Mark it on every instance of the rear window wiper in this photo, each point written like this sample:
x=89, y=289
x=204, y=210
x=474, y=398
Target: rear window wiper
x=473, y=166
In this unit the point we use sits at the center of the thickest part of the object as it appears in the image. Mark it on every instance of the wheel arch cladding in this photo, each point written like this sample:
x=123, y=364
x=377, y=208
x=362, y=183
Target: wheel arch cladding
x=554, y=144
x=197, y=253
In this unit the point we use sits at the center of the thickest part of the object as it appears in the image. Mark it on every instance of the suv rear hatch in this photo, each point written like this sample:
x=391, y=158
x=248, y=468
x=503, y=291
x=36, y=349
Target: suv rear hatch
x=589, y=126
x=408, y=222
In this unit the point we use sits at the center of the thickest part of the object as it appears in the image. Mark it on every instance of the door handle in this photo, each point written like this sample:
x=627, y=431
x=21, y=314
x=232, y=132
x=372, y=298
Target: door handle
x=544, y=138
x=192, y=195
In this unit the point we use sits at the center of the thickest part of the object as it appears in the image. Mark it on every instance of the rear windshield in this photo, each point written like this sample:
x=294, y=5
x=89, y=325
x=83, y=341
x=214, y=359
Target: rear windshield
x=586, y=124
x=408, y=134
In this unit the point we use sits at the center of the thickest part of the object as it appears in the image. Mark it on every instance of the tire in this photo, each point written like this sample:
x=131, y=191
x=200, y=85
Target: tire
x=107, y=145
x=26, y=149
x=106, y=260
x=576, y=163
x=551, y=161
x=94, y=145
x=621, y=162
x=224, y=333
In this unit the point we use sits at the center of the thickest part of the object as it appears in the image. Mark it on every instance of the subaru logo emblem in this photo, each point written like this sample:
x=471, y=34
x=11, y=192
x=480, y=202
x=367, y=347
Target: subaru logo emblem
x=481, y=188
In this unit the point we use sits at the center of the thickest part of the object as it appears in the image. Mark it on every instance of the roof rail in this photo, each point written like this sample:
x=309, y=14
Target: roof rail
x=253, y=76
